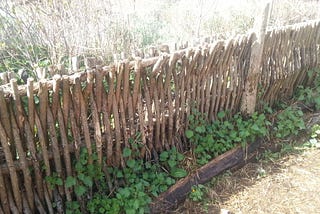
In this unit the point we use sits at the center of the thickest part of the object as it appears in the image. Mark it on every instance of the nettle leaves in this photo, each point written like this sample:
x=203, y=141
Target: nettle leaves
x=289, y=121
x=141, y=180
x=171, y=159
x=211, y=139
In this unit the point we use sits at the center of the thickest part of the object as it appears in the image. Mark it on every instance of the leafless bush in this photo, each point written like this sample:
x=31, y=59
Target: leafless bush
x=43, y=32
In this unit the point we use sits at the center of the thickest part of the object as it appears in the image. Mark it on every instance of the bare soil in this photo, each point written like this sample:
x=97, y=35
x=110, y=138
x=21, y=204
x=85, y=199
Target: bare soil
x=287, y=184
x=290, y=186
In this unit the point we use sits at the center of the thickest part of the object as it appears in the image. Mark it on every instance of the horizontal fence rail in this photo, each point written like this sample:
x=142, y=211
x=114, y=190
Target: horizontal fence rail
x=44, y=124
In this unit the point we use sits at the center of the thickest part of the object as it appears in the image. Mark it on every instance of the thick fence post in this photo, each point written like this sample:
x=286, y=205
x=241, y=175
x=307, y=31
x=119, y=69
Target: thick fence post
x=249, y=98
x=75, y=64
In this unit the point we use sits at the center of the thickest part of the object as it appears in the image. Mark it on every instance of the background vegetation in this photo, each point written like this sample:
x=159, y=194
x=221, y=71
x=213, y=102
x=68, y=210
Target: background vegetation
x=37, y=33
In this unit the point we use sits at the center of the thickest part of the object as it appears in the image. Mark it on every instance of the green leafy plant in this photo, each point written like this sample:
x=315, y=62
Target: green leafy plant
x=310, y=95
x=170, y=159
x=289, y=121
x=314, y=137
x=197, y=192
x=73, y=207
x=315, y=131
x=143, y=180
x=86, y=174
x=101, y=203
x=54, y=180
x=131, y=187
x=221, y=135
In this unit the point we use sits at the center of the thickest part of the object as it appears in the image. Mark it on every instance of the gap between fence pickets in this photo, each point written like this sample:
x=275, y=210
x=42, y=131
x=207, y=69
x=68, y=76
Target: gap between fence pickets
x=22, y=89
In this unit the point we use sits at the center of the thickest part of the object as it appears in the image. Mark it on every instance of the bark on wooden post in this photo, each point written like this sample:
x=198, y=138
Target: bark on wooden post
x=249, y=97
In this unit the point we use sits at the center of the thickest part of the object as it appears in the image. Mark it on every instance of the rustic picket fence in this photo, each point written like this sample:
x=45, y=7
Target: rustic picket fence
x=44, y=124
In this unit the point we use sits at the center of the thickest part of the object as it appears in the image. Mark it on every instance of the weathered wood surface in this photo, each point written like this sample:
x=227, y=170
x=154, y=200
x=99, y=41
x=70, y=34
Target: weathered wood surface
x=249, y=99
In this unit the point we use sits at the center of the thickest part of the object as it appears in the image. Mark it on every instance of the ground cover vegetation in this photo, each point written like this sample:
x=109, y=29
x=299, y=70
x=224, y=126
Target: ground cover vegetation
x=101, y=189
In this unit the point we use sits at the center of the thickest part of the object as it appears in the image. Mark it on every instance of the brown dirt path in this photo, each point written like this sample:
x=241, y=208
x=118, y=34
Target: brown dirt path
x=292, y=185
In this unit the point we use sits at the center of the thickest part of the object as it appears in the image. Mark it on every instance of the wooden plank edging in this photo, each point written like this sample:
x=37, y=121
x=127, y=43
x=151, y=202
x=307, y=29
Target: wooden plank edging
x=177, y=193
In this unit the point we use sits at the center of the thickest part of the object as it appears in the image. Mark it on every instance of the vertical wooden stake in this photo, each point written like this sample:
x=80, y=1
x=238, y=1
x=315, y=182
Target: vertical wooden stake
x=249, y=97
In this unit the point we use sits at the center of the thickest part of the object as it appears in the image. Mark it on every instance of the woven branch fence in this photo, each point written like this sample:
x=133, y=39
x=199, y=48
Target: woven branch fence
x=44, y=124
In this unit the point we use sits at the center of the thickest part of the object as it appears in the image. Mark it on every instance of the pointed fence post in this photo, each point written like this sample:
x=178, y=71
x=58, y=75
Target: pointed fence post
x=249, y=97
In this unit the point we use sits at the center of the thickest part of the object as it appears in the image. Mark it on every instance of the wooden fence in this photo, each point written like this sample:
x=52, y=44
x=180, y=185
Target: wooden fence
x=289, y=52
x=44, y=124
